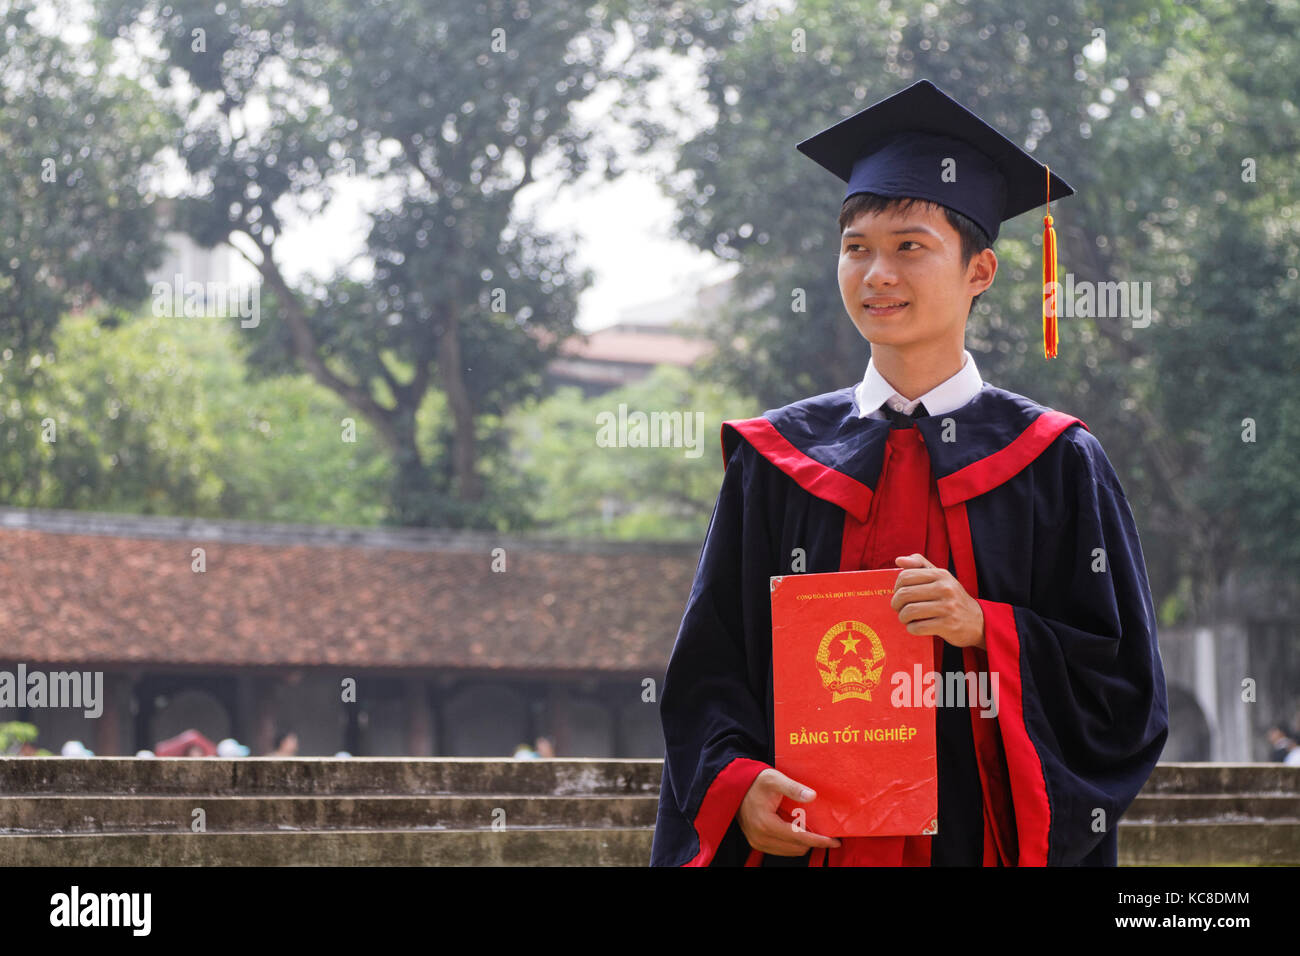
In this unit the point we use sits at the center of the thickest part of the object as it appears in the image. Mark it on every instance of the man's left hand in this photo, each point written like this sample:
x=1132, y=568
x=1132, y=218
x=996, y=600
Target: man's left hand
x=929, y=600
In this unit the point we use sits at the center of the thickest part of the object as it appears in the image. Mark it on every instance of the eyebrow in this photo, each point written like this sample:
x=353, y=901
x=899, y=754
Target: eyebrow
x=914, y=227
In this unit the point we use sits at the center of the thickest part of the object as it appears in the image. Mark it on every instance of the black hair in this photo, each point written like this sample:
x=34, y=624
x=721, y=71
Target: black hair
x=973, y=239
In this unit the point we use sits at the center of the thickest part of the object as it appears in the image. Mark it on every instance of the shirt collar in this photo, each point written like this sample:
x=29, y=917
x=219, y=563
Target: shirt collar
x=873, y=391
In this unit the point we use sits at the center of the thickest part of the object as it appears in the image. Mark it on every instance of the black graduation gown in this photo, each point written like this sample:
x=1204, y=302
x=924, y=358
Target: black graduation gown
x=1041, y=535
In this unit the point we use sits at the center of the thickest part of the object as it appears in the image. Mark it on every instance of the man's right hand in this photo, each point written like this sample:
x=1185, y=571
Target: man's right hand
x=765, y=829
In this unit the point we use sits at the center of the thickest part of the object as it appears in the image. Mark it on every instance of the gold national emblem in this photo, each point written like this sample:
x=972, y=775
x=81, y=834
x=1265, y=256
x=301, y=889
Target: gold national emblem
x=851, y=672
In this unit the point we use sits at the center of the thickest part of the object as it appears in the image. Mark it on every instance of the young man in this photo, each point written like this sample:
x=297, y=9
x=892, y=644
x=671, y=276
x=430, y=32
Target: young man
x=1019, y=554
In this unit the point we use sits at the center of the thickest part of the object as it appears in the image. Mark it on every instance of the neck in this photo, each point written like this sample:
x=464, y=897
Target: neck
x=916, y=370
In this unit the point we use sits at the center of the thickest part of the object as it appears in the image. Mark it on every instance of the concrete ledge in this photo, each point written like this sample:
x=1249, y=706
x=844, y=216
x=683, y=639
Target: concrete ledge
x=1207, y=778
x=1208, y=808
x=139, y=814
x=509, y=847
x=266, y=811
x=1209, y=844
x=327, y=775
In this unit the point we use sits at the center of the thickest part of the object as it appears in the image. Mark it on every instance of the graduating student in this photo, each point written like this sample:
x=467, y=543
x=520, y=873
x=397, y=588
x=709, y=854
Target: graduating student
x=1019, y=554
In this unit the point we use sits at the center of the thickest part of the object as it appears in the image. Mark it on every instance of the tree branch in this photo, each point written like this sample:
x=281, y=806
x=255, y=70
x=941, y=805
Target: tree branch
x=305, y=348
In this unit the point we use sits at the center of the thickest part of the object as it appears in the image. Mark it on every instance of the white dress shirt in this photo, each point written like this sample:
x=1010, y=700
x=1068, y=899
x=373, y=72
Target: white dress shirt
x=873, y=392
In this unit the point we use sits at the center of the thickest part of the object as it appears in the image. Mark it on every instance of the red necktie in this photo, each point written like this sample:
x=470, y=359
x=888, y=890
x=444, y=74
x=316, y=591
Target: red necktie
x=906, y=517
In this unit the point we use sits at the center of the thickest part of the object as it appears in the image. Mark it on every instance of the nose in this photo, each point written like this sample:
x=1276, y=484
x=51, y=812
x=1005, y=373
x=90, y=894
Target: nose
x=880, y=275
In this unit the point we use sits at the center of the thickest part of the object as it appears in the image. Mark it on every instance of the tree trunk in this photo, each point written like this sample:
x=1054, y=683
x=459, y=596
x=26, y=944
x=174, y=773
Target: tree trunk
x=464, y=445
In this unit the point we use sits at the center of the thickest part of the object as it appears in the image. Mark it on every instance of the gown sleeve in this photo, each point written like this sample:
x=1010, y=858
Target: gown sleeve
x=1082, y=708
x=713, y=701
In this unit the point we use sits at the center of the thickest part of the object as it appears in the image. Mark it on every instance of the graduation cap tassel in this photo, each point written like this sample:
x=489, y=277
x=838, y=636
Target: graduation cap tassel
x=1049, y=277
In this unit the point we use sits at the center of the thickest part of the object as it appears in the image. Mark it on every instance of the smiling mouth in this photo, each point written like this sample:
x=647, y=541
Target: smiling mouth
x=885, y=309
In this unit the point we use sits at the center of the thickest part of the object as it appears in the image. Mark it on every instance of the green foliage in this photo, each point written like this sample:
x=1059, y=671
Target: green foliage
x=76, y=222
x=467, y=296
x=14, y=733
x=154, y=417
x=583, y=489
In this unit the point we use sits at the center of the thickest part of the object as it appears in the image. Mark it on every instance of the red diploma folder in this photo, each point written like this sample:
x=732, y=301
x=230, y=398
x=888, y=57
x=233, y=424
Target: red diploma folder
x=846, y=719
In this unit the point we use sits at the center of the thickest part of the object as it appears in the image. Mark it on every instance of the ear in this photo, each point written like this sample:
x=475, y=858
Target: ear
x=979, y=274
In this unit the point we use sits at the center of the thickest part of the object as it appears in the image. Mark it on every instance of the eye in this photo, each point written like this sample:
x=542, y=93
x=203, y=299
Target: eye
x=909, y=242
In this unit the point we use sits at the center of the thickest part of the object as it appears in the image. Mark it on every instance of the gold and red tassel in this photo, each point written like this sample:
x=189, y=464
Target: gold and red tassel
x=1049, y=278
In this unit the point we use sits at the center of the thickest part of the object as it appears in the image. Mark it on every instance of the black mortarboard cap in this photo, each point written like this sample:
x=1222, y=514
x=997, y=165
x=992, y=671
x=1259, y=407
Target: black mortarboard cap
x=898, y=147
x=923, y=144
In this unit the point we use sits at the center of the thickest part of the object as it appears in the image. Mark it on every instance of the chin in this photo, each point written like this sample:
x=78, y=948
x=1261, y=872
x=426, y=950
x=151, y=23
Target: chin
x=882, y=333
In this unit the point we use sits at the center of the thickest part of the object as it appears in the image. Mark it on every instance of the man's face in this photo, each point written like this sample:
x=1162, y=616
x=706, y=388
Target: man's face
x=902, y=278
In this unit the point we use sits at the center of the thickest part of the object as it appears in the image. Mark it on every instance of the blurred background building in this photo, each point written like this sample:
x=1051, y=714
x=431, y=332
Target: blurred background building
x=447, y=657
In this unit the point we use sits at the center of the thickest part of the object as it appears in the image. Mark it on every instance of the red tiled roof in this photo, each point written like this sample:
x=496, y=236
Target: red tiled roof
x=113, y=599
x=637, y=348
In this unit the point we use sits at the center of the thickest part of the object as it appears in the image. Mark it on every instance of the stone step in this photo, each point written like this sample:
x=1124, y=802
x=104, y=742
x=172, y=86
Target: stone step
x=416, y=775
x=1211, y=778
x=95, y=813
x=105, y=811
x=326, y=775
x=1212, y=807
x=1139, y=845
x=514, y=846
x=1209, y=844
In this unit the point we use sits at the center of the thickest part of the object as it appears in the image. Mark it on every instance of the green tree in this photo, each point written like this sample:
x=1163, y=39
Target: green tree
x=154, y=416
x=584, y=487
x=76, y=221
x=75, y=215
x=452, y=108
